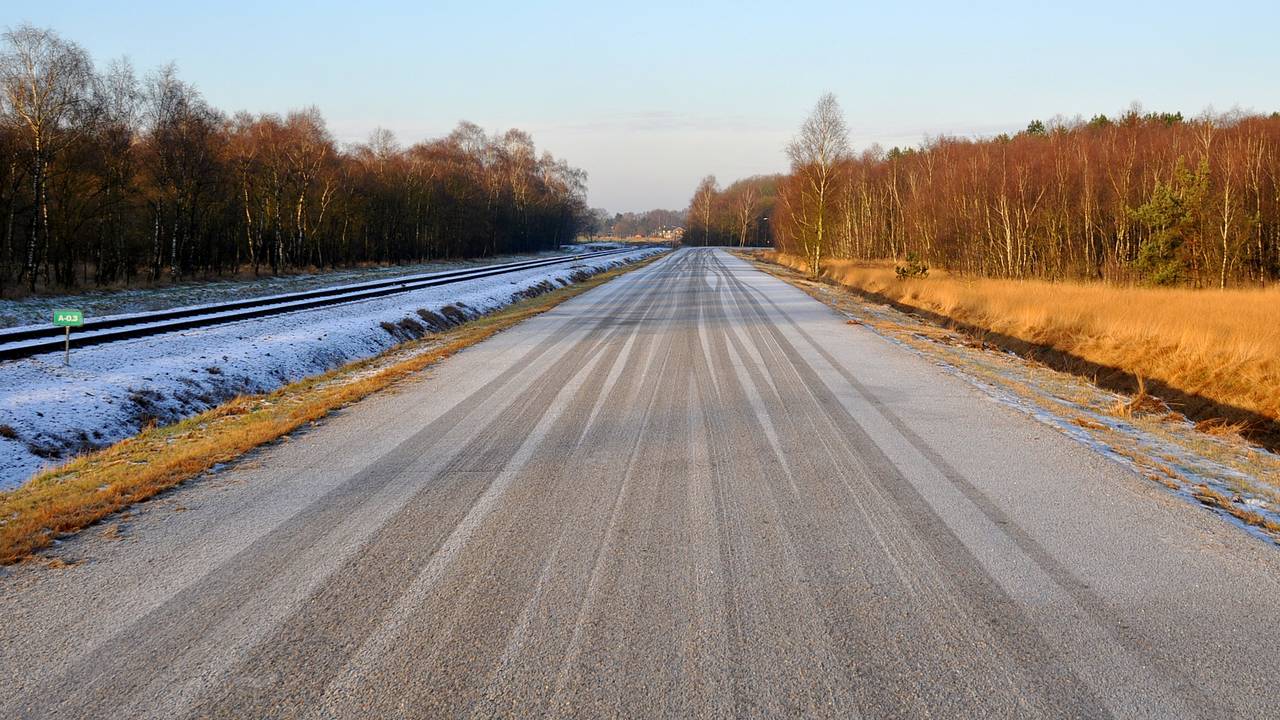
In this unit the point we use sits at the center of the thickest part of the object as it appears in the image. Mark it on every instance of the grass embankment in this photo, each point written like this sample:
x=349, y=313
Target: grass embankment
x=1213, y=355
x=81, y=492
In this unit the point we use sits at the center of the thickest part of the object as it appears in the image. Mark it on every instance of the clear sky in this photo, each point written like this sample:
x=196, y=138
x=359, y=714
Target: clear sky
x=648, y=97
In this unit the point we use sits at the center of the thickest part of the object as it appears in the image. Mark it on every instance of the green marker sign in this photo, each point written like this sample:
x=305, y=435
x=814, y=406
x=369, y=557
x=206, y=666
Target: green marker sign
x=67, y=318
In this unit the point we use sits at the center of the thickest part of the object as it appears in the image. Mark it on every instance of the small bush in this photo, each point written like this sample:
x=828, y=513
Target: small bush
x=435, y=321
x=412, y=327
x=913, y=269
x=456, y=316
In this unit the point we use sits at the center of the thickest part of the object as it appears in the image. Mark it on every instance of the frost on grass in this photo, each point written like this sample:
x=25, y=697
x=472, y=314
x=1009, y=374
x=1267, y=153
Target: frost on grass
x=50, y=412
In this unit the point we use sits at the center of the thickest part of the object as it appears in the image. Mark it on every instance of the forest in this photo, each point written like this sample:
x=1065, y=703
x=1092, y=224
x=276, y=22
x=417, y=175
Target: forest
x=737, y=215
x=1148, y=198
x=644, y=224
x=109, y=179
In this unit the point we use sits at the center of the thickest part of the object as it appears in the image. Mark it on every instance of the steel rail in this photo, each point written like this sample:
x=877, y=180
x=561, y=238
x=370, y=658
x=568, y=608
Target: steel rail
x=16, y=343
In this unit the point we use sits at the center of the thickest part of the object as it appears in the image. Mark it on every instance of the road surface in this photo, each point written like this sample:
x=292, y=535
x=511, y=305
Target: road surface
x=691, y=492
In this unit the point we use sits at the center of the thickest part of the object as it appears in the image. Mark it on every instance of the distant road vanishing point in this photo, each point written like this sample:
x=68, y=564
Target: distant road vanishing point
x=691, y=492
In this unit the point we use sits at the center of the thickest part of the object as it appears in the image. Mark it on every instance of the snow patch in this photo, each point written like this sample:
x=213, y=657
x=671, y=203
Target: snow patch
x=50, y=412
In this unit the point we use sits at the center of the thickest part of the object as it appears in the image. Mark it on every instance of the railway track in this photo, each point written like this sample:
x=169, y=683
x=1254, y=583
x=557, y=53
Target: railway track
x=22, y=342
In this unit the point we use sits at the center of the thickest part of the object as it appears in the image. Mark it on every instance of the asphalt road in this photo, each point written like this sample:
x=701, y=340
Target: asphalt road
x=692, y=492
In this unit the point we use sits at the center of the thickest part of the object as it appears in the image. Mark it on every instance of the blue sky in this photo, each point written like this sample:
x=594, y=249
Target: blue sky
x=649, y=97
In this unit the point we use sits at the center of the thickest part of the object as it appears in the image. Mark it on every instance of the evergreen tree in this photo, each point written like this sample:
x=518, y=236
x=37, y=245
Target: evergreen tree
x=1171, y=215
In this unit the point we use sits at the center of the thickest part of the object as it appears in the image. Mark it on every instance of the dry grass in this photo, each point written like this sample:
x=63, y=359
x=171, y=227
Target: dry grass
x=1141, y=403
x=1209, y=353
x=1087, y=423
x=1214, y=499
x=71, y=497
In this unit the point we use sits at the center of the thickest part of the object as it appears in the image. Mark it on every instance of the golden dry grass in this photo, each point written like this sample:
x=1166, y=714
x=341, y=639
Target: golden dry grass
x=1212, y=498
x=81, y=492
x=1208, y=352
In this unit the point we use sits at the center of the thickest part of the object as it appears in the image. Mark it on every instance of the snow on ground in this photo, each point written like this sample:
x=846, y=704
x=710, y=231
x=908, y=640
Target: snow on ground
x=49, y=412
x=37, y=310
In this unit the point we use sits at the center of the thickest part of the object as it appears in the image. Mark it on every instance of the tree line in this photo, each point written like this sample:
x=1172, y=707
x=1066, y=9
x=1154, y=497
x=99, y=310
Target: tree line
x=645, y=224
x=736, y=215
x=106, y=178
x=1154, y=198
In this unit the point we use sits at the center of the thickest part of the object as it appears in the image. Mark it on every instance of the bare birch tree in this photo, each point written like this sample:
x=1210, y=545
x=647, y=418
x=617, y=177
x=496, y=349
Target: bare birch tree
x=744, y=211
x=704, y=199
x=309, y=147
x=816, y=154
x=46, y=82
